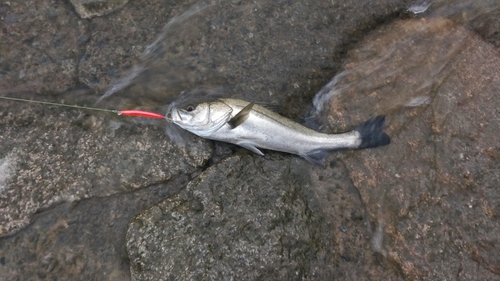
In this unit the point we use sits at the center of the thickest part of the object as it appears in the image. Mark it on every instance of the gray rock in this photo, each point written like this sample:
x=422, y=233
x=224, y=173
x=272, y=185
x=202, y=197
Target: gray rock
x=56, y=155
x=40, y=40
x=63, y=242
x=252, y=218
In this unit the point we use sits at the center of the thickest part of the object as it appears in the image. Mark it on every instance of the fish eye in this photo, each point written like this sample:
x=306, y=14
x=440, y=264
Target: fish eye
x=189, y=108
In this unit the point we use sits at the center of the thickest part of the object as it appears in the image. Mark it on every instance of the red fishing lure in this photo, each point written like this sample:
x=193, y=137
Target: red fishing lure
x=140, y=113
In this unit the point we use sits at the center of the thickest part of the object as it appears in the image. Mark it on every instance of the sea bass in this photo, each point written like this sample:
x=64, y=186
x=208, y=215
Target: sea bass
x=253, y=126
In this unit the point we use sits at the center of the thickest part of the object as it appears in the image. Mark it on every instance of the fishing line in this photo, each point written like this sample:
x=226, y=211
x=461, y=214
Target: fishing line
x=132, y=112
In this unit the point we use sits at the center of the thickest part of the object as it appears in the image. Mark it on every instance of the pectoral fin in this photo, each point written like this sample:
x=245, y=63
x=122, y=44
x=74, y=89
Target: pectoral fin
x=241, y=117
x=251, y=147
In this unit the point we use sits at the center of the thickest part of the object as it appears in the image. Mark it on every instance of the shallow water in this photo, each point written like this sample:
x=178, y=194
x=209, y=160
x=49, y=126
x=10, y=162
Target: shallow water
x=262, y=52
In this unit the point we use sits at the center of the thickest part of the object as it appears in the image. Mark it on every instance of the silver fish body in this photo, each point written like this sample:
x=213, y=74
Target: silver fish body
x=252, y=127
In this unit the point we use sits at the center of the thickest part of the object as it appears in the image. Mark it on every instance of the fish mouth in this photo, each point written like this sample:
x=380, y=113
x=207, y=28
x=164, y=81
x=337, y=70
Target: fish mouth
x=173, y=116
x=168, y=117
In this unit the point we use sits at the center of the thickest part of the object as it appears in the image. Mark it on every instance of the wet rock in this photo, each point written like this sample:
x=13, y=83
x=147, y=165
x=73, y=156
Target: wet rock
x=63, y=242
x=39, y=41
x=431, y=195
x=251, y=49
x=60, y=155
x=295, y=48
x=94, y=8
x=481, y=16
x=116, y=42
x=250, y=218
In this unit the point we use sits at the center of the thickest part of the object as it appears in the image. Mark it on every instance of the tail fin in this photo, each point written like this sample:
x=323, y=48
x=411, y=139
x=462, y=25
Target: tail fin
x=372, y=133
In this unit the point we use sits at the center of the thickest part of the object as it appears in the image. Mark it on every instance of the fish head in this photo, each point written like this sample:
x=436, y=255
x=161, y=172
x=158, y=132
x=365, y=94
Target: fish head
x=202, y=119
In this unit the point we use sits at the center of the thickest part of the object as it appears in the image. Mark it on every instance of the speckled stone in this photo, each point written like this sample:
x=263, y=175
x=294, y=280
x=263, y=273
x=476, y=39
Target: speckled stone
x=66, y=156
x=250, y=217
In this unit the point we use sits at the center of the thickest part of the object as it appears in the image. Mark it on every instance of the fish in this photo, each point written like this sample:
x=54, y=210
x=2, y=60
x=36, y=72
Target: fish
x=255, y=127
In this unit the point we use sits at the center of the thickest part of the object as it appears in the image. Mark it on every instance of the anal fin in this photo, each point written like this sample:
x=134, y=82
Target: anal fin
x=316, y=157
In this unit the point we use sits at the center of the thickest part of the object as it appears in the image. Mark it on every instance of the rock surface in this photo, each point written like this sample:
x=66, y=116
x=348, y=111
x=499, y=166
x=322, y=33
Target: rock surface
x=432, y=195
x=64, y=156
x=67, y=240
x=252, y=218
x=41, y=44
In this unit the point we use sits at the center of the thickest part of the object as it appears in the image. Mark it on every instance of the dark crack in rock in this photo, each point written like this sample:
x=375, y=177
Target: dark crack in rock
x=432, y=195
x=252, y=218
x=64, y=156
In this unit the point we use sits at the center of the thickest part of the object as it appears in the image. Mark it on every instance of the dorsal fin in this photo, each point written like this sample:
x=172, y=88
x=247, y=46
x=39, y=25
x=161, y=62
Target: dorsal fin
x=241, y=117
x=270, y=106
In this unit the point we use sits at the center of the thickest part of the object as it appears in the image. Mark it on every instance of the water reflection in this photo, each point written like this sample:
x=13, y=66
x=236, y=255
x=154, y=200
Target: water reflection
x=154, y=51
x=283, y=54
